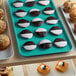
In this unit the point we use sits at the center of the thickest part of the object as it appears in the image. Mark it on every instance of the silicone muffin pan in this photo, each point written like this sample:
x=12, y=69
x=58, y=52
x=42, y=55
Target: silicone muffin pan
x=21, y=41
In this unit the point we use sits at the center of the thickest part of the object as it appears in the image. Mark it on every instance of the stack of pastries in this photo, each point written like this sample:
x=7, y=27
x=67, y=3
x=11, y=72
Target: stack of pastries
x=4, y=39
x=70, y=7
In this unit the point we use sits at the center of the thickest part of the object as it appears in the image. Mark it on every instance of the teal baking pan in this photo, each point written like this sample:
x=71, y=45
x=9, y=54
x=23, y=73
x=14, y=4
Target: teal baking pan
x=21, y=41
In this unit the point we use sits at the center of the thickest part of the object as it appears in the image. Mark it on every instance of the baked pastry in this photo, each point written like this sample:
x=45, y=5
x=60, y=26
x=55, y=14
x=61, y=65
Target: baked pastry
x=26, y=34
x=48, y=11
x=51, y=20
x=4, y=41
x=20, y=13
x=29, y=46
x=44, y=2
x=0, y=2
x=73, y=15
x=2, y=13
x=35, y=12
x=60, y=42
x=61, y=66
x=23, y=23
x=18, y=4
x=6, y=71
x=2, y=26
x=75, y=27
x=56, y=30
x=30, y=3
x=37, y=22
x=43, y=69
x=45, y=44
x=73, y=6
x=41, y=32
x=67, y=6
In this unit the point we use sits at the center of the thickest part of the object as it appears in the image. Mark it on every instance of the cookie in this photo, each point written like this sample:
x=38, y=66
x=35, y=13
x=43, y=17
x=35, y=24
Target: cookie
x=35, y=12
x=30, y=3
x=30, y=45
x=3, y=26
x=20, y=13
x=56, y=30
x=51, y=20
x=18, y=4
x=2, y=14
x=26, y=34
x=48, y=11
x=23, y=23
x=45, y=44
x=41, y=32
x=44, y=2
x=59, y=42
x=37, y=21
x=4, y=41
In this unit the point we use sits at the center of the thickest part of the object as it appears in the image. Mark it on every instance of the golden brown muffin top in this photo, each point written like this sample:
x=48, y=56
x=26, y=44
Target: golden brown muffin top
x=2, y=23
x=3, y=38
x=67, y=4
x=73, y=12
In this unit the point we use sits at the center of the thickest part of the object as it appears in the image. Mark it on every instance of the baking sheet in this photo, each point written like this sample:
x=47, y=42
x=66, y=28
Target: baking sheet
x=31, y=69
x=9, y=52
x=21, y=41
x=69, y=23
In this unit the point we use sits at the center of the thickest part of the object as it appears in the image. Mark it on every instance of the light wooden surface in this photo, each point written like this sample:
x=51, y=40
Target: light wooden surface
x=17, y=59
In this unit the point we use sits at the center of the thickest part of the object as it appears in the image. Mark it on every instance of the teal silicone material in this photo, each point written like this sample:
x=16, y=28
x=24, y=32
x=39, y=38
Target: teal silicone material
x=21, y=41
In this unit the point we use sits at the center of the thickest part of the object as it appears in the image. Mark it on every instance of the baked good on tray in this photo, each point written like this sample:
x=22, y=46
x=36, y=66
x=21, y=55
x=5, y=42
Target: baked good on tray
x=6, y=71
x=73, y=15
x=30, y=46
x=4, y=41
x=26, y=34
x=43, y=69
x=41, y=32
x=61, y=66
x=67, y=6
x=45, y=44
x=0, y=2
x=56, y=30
x=60, y=42
x=3, y=26
x=73, y=6
x=30, y=3
x=18, y=4
x=2, y=14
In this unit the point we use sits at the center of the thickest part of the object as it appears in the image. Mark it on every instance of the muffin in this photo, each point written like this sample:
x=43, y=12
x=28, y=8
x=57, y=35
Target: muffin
x=67, y=6
x=43, y=69
x=73, y=6
x=4, y=41
x=61, y=66
x=0, y=2
x=6, y=71
x=2, y=13
x=73, y=15
x=2, y=26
